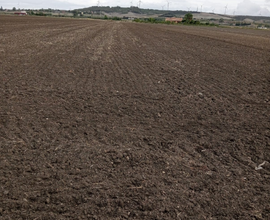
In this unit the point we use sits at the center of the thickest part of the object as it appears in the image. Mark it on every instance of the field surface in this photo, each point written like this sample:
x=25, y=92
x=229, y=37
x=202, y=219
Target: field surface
x=117, y=120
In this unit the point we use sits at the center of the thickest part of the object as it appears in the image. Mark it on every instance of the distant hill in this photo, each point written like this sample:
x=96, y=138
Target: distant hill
x=121, y=10
x=261, y=19
x=140, y=12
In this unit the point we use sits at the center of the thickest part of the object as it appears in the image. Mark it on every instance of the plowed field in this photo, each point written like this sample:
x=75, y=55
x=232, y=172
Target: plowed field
x=117, y=120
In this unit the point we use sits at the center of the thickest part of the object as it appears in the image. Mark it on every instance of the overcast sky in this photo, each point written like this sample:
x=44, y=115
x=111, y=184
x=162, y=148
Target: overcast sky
x=239, y=7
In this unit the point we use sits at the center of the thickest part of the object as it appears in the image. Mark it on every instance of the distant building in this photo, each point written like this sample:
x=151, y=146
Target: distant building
x=20, y=13
x=174, y=20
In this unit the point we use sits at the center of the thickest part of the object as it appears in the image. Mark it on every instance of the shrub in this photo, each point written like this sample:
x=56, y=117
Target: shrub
x=116, y=19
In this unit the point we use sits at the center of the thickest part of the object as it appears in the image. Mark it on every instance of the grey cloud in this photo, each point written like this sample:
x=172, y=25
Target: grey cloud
x=33, y=4
x=249, y=8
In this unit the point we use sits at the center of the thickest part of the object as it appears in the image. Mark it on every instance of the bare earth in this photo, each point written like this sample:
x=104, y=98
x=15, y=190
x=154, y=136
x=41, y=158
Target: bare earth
x=117, y=120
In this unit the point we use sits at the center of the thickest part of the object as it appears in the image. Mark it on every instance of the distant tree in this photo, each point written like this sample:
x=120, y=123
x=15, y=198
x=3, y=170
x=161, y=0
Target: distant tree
x=116, y=18
x=152, y=20
x=1, y=9
x=13, y=9
x=188, y=17
x=221, y=20
x=75, y=13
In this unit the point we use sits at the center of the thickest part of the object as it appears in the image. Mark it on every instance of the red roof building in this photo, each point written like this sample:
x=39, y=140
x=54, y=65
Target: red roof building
x=174, y=20
x=20, y=13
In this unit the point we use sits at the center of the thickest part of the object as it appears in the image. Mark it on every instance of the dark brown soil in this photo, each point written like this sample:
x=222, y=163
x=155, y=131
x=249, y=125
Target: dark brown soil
x=117, y=120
